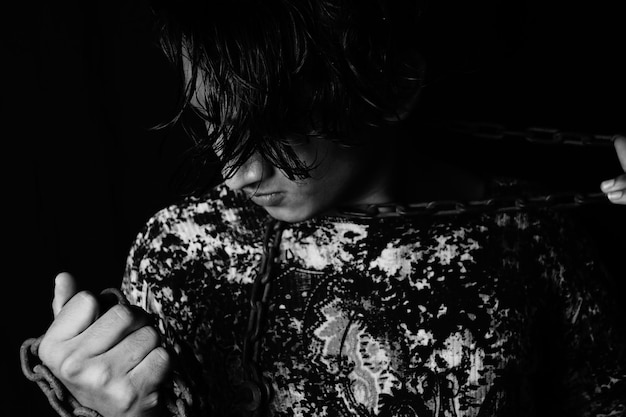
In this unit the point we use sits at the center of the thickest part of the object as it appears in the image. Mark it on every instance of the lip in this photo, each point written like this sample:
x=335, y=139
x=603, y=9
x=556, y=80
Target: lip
x=268, y=199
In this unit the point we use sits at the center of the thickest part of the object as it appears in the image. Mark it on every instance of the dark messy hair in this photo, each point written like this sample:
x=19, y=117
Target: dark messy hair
x=276, y=72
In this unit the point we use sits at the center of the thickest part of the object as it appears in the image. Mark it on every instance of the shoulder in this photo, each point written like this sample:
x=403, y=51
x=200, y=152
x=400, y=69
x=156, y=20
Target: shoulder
x=186, y=245
x=196, y=228
x=219, y=211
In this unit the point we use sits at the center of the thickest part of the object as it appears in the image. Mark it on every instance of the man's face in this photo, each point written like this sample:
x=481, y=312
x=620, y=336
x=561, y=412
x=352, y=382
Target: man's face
x=340, y=175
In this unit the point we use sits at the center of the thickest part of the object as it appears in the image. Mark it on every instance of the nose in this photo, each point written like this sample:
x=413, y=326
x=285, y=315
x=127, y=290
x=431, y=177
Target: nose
x=250, y=174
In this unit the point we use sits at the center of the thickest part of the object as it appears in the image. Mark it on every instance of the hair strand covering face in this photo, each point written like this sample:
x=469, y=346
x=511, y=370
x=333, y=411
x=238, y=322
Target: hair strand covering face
x=276, y=72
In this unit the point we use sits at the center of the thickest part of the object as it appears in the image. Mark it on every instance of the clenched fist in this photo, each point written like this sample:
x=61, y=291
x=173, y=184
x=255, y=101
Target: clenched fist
x=110, y=361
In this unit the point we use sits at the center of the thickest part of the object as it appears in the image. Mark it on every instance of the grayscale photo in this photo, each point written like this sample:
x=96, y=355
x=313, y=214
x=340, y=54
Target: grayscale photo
x=315, y=208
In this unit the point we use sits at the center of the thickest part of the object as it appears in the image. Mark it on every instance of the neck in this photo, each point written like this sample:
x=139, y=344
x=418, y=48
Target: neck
x=377, y=177
x=416, y=176
x=432, y=179
x=395, y=174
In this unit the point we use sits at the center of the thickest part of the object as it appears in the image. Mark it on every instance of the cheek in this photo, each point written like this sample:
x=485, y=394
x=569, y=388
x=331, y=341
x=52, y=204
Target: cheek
x=332, y=179
x=335, y=171
x=341, y=168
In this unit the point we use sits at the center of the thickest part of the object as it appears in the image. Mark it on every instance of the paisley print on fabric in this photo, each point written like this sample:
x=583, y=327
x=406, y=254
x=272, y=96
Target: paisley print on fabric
x=482, y=315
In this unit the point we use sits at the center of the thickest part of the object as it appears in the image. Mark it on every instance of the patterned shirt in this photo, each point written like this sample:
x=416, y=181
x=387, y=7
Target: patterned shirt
x=466, y=315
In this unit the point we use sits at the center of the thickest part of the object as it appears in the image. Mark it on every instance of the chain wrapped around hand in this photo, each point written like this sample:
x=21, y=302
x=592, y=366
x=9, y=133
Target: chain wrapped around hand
x=34, y=370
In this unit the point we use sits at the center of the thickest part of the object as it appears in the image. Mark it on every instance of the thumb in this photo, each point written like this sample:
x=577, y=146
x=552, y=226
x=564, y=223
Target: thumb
x=64, y=288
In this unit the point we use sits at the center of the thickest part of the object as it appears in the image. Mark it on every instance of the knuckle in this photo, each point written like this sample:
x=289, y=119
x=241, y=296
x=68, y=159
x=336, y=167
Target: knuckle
x=124, y=313
x=148, y=335
x=151, y=400
x=47, y=352
x=124, y=395
x=163, y=360
x=100, y=376
x=81, y=372
x=87, y=300
x=71, y=368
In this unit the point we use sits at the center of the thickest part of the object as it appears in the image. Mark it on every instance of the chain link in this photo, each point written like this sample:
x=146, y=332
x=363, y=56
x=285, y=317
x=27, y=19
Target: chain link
x=561, y=200
x=536, y=134
x=59, y=398
x=256, y=391
x=496, y=131
x=57, y=394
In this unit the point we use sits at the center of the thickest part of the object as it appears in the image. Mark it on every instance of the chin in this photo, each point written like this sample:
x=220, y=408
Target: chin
x=290, y=215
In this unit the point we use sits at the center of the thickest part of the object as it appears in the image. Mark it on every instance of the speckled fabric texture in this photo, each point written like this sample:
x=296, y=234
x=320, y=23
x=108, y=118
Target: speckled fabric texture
x=467, y=315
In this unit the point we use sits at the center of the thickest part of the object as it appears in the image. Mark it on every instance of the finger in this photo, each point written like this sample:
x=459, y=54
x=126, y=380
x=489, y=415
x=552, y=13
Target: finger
x=620, y=148
x=76, y=316
x=64, y=288
x=617, y=197
x=152, y=371
x=615, y=189
x=110, y=329
x=614, y=184
x=130, y=351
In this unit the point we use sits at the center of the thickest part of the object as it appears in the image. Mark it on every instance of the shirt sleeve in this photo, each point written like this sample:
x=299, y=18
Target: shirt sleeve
x=147, y=284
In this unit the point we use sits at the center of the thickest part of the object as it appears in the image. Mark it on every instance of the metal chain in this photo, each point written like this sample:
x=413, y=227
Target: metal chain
x=536, y=134
x=496, y=131
x=58, y=396
x=256, y=391
x=562, y=200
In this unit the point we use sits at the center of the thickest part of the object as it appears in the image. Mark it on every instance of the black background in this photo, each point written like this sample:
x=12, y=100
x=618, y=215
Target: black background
x=82, y=84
